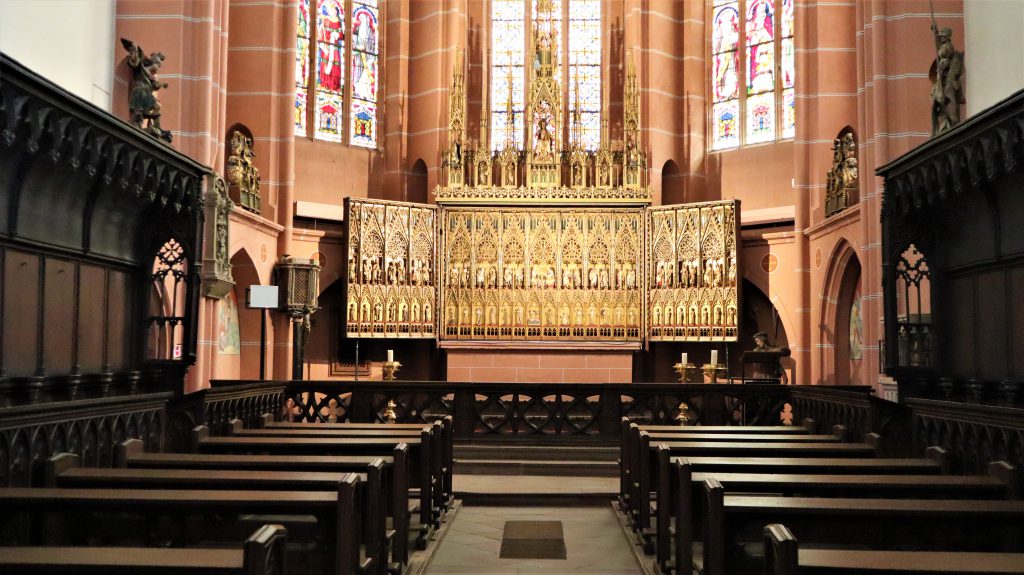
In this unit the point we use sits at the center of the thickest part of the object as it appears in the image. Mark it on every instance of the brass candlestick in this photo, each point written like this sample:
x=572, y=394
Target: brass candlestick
x=711, y=371
x=390, y=369
x=687, y=372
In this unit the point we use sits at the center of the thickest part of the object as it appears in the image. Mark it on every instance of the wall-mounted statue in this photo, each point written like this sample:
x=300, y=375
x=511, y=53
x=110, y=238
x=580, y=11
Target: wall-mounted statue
x=841, y=180
x=242, y=171
x=946, y=75
x=143, y=104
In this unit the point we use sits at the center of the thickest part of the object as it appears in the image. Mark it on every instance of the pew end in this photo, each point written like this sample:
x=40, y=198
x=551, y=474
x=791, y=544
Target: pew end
x=842, y=433
x=126, y=450
x=875, y=440
x=941, y=456
x=199, y=433
x=234, y=426
x=780, y=551
x=1009, y=475
x=714, y=528
x=57, y=465
x=264, y=419
x=264, y=553
x=810, y=425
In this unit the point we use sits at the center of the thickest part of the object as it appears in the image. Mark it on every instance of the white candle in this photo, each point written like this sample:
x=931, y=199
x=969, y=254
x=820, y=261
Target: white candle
x=684, y=362
x=714, y=357
x=391, y=355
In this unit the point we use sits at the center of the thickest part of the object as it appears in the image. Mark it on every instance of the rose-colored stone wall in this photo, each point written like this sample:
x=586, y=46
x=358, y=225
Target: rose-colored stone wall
x=861, y=64
x=540, y=366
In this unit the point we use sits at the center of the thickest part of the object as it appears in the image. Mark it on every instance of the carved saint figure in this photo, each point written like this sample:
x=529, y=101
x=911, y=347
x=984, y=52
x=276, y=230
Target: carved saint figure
x=143, y=104
x=947, y=86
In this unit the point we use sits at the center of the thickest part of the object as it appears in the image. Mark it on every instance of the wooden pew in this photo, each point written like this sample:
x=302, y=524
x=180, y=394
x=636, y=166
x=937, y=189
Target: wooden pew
x=782, y=556
x=131, y=454
x=59, y=516
x=647, y=463
x=629, y=431
x=420, y=469
x=681, y=494
x=262, y=554
x=65, y=470
x=935, y=524
x=447, y=439
x=441, y=466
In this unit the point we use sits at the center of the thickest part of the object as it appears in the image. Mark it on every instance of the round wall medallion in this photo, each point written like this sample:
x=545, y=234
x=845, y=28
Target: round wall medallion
x=319, y=258
x=817, y=258
x=263, y=253
x=769, y=263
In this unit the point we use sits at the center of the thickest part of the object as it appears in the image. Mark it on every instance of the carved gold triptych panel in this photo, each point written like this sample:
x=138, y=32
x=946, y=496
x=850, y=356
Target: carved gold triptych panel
x=519, y=274
x=693, y=275
x=391, y=269
x=575, y=274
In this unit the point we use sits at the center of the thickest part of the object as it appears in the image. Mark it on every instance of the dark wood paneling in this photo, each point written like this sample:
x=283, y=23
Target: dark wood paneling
x=990, y=327
x=1016, y=314
x=91, y=319
x=958, y=343
x=21, y=313
x=119, y=312
x=58, y=316
x=1011, y=213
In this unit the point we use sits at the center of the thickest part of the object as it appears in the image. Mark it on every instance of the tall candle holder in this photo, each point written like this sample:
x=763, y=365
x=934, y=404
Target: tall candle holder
x=712, y=370
x=687, y=372
x=390, y=369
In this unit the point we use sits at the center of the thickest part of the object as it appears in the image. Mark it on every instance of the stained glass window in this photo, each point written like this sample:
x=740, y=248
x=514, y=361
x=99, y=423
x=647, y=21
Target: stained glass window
x=761, y=60
x=788, y=72
x=725, y=38
x=330, y=73
x=302, y=68
x=364, y=73
x=321, y=72
x=585, y=70
x=508, y=47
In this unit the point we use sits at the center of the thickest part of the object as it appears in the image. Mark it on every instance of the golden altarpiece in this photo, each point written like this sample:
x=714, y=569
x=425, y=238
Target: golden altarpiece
x=550, y=243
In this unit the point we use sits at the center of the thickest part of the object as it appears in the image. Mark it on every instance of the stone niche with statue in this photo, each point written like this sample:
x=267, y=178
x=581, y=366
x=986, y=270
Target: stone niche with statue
x=544, y=244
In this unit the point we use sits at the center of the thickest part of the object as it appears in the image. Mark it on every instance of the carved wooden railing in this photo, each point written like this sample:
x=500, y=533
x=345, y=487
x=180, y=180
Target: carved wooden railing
x=91, y=428
x=523, y=409
x=216, y=406
x=973, y=435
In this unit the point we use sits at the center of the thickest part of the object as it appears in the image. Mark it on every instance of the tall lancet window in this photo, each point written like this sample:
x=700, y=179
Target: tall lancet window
x=585, y=70
x=578, y=39
x=508, y=54
x=329, y=82
x=364, y=73
x=752, y=74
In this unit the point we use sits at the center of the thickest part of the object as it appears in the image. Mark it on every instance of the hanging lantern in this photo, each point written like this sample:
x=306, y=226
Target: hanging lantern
x=299, y=283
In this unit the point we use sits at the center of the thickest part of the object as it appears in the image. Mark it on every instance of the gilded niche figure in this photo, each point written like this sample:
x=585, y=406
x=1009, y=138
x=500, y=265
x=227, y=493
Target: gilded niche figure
x=242, y=171
x=946, y=76
x=143, y=104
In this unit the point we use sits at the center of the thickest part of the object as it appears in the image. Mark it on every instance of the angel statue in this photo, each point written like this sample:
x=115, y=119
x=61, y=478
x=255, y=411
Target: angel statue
x=143, y=105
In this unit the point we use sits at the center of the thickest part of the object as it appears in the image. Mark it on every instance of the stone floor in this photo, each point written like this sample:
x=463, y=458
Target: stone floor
x=595, y=544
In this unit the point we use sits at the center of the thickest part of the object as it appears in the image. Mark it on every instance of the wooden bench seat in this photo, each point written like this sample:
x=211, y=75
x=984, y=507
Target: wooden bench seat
x=65, y=470
x=60, y=516
x=423, y=475
x=440, y=456
x=447, y=438
x=784, y=557
x=643, y=482
x=262, y=554
x=681, y=495
x=956, y=525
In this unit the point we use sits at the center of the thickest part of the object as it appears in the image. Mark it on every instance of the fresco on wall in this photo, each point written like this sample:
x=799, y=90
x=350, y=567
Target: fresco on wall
x=227, y=326
x=856, y=329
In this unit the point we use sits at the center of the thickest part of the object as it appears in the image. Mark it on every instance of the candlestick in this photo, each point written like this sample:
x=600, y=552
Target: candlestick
x=714, y=357
x=391, y=355
x=684, y=362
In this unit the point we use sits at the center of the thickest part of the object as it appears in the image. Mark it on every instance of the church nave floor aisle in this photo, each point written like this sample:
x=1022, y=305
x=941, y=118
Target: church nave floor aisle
x=594, y=542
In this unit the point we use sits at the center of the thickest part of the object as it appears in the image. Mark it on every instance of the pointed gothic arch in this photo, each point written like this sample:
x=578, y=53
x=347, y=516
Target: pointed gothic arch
x=840, y=291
